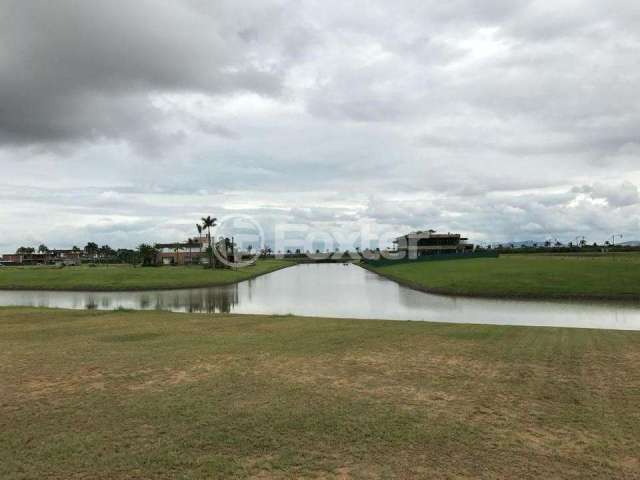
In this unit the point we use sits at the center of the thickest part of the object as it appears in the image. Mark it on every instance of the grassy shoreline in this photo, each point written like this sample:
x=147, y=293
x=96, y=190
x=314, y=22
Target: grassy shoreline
x=106, y=278
x=525, y=277
x=162, y=395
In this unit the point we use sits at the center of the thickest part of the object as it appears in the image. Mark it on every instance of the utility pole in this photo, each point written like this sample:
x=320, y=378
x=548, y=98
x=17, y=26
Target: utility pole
x=613, y=239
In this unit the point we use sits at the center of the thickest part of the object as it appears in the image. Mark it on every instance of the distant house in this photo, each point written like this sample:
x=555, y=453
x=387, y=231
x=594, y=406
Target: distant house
x=60, y=257
x=193, y=251
x=11, y=259
x=24, y=258
x=418, y=244
x=65, y=257
x=183, y=253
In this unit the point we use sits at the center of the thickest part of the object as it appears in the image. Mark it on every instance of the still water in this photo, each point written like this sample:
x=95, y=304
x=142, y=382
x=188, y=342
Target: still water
x=343, y=291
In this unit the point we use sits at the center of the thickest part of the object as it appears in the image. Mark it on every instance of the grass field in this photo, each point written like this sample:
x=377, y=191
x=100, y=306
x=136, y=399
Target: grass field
x=613, y=277
x=119, y=395
x=126, y=277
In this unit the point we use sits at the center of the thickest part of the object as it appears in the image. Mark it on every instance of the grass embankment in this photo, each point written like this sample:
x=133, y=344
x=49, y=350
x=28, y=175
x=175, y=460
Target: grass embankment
x=159, y=395
x=608, y=277
x=126, y=277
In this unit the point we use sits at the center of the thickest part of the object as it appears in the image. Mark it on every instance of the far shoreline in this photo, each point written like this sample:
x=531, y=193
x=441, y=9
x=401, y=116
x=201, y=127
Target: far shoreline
x=627, y=300
x=142, y=288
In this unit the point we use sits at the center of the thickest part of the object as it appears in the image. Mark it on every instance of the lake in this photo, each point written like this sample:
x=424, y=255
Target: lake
x=342, y=291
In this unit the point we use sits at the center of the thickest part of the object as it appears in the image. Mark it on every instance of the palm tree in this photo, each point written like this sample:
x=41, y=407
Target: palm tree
x=228, y=245
x=45, y=250
x=176, y=248
x=208, y=223
x=190, y=244
x=199, y=227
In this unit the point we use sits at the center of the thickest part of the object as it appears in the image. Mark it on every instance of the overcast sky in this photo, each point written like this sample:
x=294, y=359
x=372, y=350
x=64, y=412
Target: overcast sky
x=123, y=122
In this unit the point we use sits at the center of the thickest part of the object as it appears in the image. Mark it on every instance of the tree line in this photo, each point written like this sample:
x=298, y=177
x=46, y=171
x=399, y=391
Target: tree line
x=145, y=254
x=92, y=251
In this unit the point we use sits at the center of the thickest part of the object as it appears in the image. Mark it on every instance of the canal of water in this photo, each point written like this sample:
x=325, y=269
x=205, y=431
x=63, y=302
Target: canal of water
x=342, y=291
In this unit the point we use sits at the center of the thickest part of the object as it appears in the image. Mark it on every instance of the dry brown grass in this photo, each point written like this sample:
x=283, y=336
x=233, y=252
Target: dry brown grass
x=160, y=395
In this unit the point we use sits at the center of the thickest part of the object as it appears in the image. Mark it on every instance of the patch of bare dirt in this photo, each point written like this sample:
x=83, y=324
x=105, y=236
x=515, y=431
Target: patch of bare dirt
x=89, y=377
x=94, y=379
x=409, y=381
x=168, y=377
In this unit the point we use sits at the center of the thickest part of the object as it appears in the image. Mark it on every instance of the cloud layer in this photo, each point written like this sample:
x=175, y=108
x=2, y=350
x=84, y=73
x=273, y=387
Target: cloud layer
x=127, y=121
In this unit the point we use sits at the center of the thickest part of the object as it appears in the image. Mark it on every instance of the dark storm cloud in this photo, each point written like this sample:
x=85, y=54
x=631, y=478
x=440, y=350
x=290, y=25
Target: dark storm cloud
x=85, y=70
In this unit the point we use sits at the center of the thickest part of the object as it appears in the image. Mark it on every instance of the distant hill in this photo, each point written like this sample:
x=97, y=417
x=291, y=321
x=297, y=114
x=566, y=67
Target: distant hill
x=540, y=243
x=631, y=243
x=528, y=243
x=525, y=244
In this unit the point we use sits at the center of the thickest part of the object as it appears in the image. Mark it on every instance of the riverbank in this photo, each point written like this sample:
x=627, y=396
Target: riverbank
x=125, y=277
x=160, y=395
x=601, y=278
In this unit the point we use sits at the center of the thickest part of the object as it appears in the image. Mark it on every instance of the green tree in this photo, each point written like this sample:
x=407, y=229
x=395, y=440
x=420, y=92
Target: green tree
x=190, y=244
x=42, y=248
x=228, y=248
x=91, y=249
x=148, y=254
x=105, y=252
x=199, y=228
x=176, y=248
x=208, y=223
x=129, y=256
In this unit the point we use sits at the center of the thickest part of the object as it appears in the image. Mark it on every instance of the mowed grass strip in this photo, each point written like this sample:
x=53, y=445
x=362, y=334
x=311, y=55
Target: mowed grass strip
x=118, y=395
x=126, y=277
x=607, y=277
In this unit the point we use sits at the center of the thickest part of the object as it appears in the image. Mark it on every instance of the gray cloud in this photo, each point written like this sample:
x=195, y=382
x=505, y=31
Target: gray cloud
x=125, y=121
x=86, y=70
x=624, y=194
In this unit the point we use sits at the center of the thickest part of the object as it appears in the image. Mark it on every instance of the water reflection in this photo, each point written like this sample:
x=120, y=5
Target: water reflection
x=210, y=300
x=201, y=300
x=334, y=290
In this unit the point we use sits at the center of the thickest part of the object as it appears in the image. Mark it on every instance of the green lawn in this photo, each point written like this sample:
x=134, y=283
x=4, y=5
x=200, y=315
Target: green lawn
x=125, y=277
x=119, y=395
x=615, y=277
